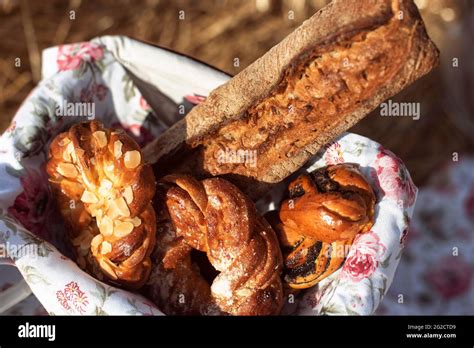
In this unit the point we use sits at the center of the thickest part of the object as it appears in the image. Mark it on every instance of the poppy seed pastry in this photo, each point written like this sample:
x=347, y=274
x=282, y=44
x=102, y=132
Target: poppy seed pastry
x=317, y=223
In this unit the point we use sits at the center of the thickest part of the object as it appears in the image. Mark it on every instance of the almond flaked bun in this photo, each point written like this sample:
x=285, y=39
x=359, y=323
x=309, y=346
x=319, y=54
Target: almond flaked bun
x=104, y=190
x=267, y=121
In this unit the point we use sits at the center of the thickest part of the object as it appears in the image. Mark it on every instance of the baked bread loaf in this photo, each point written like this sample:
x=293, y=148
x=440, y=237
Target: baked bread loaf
x=264, y=124
x=239, y=274
x=319, y=220
x=104, y=190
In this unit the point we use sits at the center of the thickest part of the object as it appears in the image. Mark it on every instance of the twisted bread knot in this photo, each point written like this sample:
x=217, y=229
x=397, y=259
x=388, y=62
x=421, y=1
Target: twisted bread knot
x=319, y=221
x=215, y=217
x=104, y=191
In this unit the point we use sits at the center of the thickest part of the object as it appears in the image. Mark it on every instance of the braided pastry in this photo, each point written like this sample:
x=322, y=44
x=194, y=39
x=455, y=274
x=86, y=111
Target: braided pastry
x=213, y=217
x=104, y=191
x=325, y=210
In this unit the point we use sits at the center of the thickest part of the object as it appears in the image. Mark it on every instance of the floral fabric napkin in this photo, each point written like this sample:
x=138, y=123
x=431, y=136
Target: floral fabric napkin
x=436, y=274
x=111, y=76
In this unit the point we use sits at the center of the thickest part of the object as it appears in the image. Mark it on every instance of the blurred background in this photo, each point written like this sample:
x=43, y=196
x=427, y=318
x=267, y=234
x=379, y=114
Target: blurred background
x=218, y=31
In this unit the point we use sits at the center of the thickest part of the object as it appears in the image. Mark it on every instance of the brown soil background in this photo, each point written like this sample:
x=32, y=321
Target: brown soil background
x=217, y=31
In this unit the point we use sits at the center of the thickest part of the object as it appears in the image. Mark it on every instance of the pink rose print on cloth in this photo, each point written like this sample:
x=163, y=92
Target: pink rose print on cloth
x=11, y=128
x=450, y=277
x=333, y=154
x=314, y=295
x=95, y=91
x=469, y=204
x=364, y=257
x=393, y=180
x=71, y=57
x=35, y=206
x=144, y=104
x=195, y=99
x=72, y=297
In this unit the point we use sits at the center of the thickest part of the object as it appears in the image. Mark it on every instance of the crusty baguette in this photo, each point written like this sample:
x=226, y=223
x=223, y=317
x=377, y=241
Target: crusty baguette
x=311, y=87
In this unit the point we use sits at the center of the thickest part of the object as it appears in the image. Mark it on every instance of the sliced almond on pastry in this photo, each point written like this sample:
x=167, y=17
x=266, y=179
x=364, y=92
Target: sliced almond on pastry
x=105, y=248
x=123, y=228
x=107, y=267
x=128, y=194
x=106, y=226
x=118, y=149
x=136, y=221
x=118, y=207
x=132, y=159
x=95, y=243
x=100, y=138
x=64, y=141
x=67, y=169
x=105, y=186
x=89, y=197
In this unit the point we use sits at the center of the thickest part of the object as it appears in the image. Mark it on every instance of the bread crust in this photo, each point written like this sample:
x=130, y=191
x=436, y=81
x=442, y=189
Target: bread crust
x=216, y=218
x=349, y=56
